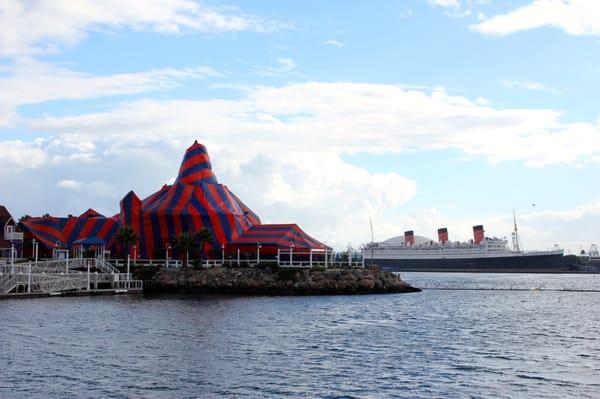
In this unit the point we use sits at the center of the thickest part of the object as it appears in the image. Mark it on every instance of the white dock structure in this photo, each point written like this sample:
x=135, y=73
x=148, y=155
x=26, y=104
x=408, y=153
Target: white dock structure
x=64, y=276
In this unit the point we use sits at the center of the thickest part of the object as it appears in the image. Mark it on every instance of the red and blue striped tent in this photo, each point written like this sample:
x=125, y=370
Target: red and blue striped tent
x=274, y=237
x=55, y=232
x=196, y=200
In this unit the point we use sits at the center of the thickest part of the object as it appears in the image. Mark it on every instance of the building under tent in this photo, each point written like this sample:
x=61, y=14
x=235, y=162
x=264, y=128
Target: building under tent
x=270, y=241
x=62, y=233
x=11, y=238
x=195, y=201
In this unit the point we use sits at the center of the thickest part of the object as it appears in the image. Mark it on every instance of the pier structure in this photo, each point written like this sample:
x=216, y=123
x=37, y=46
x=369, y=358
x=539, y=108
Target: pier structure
x=64, y=276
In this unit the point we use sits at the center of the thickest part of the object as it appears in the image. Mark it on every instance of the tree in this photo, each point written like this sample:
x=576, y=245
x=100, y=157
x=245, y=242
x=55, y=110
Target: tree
x=203, y=236
x=24, y=218
x=184, y=242
x=126, y=236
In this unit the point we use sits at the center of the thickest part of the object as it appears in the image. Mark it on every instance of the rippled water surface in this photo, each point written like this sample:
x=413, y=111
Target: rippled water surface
x=436, y=343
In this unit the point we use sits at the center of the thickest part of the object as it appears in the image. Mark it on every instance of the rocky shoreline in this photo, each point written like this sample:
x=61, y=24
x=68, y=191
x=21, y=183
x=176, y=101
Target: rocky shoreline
x=272, y=281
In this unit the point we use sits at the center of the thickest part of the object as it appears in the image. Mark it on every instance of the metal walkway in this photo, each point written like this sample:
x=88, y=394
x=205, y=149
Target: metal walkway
x=68, y=275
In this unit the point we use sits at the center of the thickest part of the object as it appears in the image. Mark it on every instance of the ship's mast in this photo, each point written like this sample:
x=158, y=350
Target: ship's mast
x=515, y=235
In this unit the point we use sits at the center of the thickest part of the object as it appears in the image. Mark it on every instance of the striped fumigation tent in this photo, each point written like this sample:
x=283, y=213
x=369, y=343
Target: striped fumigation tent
x=274, y=237
x=196, y=200
x=55, y=232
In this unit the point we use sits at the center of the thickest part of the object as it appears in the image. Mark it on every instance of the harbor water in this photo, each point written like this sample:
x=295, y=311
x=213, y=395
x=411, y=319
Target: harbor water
x=472, y=342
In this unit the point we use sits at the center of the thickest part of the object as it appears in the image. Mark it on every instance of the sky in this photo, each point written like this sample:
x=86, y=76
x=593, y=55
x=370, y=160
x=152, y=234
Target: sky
x=416, y=114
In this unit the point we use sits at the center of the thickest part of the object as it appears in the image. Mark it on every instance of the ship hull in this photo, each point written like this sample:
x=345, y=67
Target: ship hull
x=542, y=263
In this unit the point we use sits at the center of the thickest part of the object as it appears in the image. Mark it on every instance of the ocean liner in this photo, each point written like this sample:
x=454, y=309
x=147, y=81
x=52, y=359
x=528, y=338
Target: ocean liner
x=481, y=254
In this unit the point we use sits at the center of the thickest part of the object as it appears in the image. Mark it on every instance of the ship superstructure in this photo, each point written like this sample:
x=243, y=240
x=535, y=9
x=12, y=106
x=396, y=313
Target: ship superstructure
x=481, y=254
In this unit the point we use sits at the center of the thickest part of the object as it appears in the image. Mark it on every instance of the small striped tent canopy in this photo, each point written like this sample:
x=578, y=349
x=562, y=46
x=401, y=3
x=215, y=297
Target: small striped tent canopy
x=277, y=236
x=64, y=232
x=196, y=200
x=90, y=213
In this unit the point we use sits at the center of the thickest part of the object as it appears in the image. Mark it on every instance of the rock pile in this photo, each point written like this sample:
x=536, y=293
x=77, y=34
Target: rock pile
x=275, y=281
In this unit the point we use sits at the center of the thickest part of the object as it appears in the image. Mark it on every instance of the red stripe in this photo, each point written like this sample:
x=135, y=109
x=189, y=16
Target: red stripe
x=193, y=161
x=105, y=229
x=223, y=207
x=69, y=226
x=213, y=216
x=88, y=226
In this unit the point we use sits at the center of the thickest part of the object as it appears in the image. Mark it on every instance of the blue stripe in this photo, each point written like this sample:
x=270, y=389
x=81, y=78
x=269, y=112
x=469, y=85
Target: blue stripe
x=46, y=236
x=203, y=213
x=112, y=232
x=193, y=152
x=47, y=223
x=194, y=169
x=76, y=230
x=96, y=229
x=222, y=217
x=155, y=229
x=176, y=196
x=238, y=227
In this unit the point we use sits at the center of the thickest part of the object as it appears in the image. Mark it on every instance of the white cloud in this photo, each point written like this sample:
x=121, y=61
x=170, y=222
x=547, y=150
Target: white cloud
x=332, y=42
x=351, y=117
x=575, y=17
x=406, y=13
x=445, y=3
x=528, y=85
x=69, y=184
x=29, y=82
x=18, y=155
x=284, y=65
x=30, y=27
x=280, y=149
x=94, y=188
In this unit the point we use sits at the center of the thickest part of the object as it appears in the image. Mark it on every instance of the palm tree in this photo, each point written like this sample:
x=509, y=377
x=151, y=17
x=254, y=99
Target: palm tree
x=126, y=236
x=203, y=236
x=184, y=242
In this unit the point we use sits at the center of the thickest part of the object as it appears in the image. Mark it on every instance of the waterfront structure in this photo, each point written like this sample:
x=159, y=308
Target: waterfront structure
x=61, y=233
x=196, y=200
x=11, y=241
x=282, y=242
x=481, y=254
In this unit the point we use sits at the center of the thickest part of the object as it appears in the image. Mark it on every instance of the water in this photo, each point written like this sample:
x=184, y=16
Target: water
x=432, y=344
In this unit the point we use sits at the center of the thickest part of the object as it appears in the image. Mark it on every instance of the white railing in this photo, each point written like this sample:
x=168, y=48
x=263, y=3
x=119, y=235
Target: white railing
x=13, y=236
x=121, y=263
x=53, y=276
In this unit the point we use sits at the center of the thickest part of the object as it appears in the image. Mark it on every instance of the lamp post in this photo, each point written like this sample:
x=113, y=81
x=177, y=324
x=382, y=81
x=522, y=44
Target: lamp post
x=128, y=264
x=167, y=247
x=349, y=256
x=291, y=254
x=258, y=247
x=33, y=248
x=223, y=254
x=134, y=253
x=29, y=278
x=12, y=257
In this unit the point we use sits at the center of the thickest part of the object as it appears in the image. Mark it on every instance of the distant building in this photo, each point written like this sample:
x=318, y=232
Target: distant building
x=12, y=236
x=194, y=201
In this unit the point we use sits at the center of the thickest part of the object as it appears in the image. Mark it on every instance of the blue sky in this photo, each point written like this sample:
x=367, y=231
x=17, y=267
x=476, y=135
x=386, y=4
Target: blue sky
x=419, y=113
